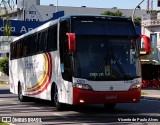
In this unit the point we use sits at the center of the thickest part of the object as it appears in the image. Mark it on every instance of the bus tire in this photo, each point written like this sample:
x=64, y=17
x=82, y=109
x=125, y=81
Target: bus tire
x=109, y=106
x=54, y=98
x=20, y=95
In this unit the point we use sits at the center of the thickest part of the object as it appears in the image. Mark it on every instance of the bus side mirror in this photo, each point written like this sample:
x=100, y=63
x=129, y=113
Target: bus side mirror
x=147, y=45
x=71, y=42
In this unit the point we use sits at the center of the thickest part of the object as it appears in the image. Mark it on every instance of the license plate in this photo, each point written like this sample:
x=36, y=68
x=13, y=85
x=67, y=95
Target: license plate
x=111, y=96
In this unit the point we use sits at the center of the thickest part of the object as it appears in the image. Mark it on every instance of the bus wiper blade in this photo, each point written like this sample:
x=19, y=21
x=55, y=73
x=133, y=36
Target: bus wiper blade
x=119, y=66
x=99, y=69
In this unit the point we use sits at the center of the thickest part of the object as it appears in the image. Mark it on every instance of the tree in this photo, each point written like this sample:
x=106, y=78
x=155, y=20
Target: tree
x=117, y=13
x=5, y=6
x=137, y=21
x=4, y=65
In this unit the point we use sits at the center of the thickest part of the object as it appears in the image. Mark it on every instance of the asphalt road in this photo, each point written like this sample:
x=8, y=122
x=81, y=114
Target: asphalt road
x=42, y=113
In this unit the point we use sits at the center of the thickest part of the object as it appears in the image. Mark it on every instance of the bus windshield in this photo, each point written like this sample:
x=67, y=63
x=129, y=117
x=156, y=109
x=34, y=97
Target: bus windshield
x=103, y=27
x=104, y=55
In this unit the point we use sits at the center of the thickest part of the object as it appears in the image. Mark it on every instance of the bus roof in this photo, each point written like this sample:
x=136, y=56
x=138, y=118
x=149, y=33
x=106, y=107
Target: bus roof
x=97, y=16
x=52, y=22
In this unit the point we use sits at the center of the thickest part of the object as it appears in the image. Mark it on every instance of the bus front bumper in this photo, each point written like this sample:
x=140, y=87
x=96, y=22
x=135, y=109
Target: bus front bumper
x=81, y=96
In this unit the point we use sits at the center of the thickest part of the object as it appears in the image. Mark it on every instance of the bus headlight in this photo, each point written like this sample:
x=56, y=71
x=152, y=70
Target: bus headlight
x=135, y=86
x=82, y=86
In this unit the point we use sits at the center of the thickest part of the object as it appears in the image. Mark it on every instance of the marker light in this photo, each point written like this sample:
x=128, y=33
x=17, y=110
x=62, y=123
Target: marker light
x=71, y=42
x=135, y=86
x=81, y=101
x=82, y=86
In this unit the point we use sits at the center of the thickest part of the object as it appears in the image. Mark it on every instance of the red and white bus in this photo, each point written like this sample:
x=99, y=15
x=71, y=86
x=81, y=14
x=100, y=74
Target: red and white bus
x=78, y=60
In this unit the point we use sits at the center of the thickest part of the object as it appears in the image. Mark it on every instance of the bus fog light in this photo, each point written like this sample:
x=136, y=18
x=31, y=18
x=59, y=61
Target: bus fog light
x=134, y=100
x=81, y=101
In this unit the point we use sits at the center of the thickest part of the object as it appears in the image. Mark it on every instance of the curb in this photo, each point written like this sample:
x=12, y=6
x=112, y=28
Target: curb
x=150, y=98
x=2, y=86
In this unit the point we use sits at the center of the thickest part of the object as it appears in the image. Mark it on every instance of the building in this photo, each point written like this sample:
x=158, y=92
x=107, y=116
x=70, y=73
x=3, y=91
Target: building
x=31, y=10
x=151, y=28
x=151, y=62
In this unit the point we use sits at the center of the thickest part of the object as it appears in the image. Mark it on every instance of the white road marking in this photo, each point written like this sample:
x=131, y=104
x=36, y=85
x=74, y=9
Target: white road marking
x=13, y=103
x=35, y=107
x=57, y=114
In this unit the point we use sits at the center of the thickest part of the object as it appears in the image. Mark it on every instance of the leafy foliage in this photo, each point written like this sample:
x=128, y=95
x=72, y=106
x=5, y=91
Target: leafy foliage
x=4, y=65
x=153, y=11
x=117, y=13
x=4, y=13
x=152, y=84
x=2, y=123
x=137, y=21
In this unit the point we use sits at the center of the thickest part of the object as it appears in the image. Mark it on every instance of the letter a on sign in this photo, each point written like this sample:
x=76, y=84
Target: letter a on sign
x=158, y=3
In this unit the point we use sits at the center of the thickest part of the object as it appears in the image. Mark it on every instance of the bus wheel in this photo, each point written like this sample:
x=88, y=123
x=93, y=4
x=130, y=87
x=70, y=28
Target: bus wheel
x=20, y=96
x=55, y=99
x=109, y=106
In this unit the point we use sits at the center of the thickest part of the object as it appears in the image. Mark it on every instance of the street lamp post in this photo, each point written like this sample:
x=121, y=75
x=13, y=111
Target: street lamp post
x=57, y=7
x=135, y=9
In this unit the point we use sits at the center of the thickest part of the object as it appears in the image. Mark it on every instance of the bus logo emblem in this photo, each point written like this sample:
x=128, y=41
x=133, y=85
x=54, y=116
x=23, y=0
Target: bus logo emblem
x=111, y=87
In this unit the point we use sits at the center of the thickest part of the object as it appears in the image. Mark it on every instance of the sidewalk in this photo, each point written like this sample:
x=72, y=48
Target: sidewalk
x=4, y=78
x=151, y=94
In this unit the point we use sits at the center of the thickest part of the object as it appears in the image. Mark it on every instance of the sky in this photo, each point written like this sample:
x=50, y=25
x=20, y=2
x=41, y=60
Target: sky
x=121, y=4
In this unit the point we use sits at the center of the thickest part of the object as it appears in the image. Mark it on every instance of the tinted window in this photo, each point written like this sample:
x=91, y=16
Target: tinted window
x=33, y=44
x=52, y=38
x=19, y=49
x=13, y=50
x=113, y=28
x=42, y=40
x=26, y=47
x=39, y=42
x=64, y=52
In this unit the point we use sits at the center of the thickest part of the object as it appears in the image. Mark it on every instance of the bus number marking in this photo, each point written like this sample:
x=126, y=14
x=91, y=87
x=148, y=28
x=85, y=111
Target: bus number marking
x=96, y=74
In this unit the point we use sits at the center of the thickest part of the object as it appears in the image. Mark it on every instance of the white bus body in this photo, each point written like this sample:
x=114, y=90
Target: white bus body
x=39, y=75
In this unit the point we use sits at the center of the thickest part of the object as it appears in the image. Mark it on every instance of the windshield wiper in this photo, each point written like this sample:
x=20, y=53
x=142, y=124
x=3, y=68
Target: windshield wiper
x=119, y=66
x=99, y=69
x=105, y=62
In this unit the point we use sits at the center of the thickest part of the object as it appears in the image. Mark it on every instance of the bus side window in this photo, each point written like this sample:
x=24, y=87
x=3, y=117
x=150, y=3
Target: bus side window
x=64, y=51
x=42, y=40
x=19, y=49
x=17, y=44
x=52, y=38
x=33, y=44
x=13, y=51
x=25, y=47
